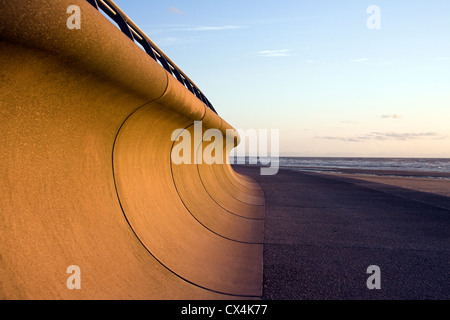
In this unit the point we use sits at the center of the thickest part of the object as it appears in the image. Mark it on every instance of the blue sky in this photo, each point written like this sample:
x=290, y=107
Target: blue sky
x=315, y=71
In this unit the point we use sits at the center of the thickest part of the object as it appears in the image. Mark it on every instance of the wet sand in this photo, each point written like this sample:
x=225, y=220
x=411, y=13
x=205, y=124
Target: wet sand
x=430, y=185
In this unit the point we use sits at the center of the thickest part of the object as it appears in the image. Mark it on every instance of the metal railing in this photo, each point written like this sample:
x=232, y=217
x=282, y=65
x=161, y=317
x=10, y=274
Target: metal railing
x=133, y=32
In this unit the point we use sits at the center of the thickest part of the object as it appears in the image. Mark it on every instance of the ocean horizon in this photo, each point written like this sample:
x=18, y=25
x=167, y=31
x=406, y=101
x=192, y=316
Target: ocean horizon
x=360, y=165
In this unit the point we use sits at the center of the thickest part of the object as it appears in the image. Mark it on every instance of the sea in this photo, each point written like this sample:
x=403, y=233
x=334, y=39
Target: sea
x=425, y=167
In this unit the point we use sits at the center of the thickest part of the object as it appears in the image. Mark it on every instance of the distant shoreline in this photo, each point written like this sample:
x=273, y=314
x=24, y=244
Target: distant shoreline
x=433, y=168
x=374, y=172
x=424, y=181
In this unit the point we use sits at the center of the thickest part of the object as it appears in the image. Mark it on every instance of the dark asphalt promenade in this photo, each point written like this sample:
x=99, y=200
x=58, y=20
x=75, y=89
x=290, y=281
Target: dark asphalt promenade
x=323, y=232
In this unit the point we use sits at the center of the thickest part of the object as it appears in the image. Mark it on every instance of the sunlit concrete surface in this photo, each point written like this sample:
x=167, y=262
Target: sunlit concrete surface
x=87, y=179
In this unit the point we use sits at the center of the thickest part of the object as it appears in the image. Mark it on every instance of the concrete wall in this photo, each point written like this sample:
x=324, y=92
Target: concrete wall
x=86, y=177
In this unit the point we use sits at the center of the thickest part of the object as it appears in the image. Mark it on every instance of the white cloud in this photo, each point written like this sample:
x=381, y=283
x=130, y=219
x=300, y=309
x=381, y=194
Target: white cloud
x=391, y=116
x=275, y=53
x=382, y=136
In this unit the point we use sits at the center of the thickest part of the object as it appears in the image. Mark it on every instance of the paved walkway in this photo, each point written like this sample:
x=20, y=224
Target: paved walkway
x=322, y=233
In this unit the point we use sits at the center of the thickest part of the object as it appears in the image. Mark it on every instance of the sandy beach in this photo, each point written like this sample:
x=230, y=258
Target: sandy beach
x=419, y=181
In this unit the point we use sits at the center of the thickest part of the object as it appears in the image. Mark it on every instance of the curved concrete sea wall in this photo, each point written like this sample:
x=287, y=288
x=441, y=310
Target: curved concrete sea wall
x=86, y=177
